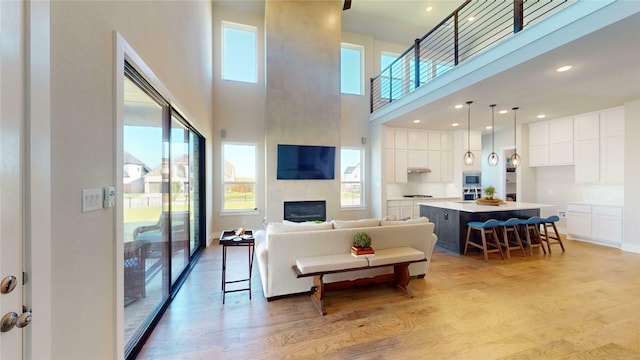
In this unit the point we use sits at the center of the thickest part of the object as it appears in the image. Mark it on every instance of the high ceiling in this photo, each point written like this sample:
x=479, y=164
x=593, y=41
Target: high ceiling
x=606, y=70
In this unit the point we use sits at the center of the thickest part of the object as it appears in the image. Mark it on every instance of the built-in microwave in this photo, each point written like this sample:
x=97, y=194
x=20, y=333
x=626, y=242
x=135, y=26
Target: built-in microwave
x=471, y=179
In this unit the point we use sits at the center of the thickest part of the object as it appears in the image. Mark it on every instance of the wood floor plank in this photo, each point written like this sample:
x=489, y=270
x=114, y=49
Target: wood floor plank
x=580, y=304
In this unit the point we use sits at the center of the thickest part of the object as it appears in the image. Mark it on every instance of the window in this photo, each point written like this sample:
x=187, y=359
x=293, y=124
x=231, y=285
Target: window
x=239, y=183
x=351, y=163
x=351, y=69
x=239, y=52
x=391, y=84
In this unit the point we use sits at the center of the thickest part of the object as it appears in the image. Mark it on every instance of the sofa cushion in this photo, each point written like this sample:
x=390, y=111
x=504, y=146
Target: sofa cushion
x=403, y=222
x=274, y=228
x=351, y=224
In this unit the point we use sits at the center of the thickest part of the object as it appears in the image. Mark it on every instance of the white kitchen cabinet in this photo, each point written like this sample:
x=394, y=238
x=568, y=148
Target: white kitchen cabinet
x=446, y=166
x=551, y=143
x=417, y=159
x=391, y=139
x=475, y=146
x=401, y=209
x=435, y=141
x=417, y=140
x=592, y=222
x=400, y=166
x=606, y=224
x=612, y=122
x=446, y=141
x=579, y=220
x=390, y=168
x=435, y=166
x=586, y=127
x=400, y=139
x=587, y=162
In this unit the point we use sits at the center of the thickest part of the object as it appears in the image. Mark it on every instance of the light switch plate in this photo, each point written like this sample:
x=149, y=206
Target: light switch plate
x=91, y=199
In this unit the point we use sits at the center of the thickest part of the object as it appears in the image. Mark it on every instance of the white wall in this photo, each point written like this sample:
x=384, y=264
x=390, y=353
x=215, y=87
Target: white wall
x=174, y=39
x=631, y=219
x=239, y=110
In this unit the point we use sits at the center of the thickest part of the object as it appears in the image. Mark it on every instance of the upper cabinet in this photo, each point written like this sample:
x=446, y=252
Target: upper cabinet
x=551, y=142
x=593, y=142
x=419, y=149
x=472, y=143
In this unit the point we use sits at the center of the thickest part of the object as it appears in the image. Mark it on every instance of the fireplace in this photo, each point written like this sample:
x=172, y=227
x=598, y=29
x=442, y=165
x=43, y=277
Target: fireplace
x=300, y=211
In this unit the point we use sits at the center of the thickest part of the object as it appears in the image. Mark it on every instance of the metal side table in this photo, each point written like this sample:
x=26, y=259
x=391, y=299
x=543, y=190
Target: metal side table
x=229, y=238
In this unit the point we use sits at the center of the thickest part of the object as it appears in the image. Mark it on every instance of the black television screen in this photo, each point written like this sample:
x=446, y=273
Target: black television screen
x=305, y=162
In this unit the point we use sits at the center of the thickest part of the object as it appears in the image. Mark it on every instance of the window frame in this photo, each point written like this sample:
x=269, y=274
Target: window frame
x=239, y=27
x=223, y=210
x=360, y=182
x=361, y=50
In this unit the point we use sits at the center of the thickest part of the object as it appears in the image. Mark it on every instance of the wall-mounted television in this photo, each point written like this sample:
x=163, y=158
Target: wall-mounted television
x=306, y=162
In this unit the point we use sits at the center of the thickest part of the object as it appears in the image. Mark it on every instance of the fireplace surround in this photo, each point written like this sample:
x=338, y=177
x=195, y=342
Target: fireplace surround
x=301, y=211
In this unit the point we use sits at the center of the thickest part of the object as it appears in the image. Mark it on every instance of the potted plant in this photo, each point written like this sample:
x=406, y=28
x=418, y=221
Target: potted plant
x=489, y=191
x=361, y=245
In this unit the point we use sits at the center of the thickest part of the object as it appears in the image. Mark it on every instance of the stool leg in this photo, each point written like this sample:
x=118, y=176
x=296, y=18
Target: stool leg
x=518, y=240
x=466, y=244
x=546, y=237
x=528, y=235
x=505, y=238
x=537, y=231
x=484, y=245
x=496, y=239
x=555, y=229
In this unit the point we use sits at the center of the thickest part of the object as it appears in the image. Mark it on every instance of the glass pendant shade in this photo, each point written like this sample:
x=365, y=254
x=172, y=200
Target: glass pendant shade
x=493, y=157
x=515, y=158
x=468, y=156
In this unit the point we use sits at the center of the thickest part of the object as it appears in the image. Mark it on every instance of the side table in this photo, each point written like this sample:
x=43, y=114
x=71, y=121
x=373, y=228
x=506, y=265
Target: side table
x=229, y=238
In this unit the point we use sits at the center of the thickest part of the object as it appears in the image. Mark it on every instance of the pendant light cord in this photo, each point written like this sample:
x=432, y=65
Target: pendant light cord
x=515, y=147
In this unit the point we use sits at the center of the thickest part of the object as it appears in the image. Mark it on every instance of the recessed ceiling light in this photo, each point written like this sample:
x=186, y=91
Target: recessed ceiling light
x=455, y=124
x=429, y=8
x=564, y=68
x=488, y=127
x=502, y=111
x=541, y=116
x=416, y=121
x=459, y=106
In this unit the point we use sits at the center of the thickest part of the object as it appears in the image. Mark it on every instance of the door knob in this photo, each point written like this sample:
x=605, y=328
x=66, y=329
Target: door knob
x=8, y=284
x=24, y=319
x=8, y=321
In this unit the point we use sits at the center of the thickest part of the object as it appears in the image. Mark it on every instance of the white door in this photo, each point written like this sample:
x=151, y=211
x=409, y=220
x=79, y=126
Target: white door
x=11, y=127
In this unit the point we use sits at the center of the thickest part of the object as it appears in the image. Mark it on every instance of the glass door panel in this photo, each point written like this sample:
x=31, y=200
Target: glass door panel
x=179, y=193
x=196, y=158
x=145, y=219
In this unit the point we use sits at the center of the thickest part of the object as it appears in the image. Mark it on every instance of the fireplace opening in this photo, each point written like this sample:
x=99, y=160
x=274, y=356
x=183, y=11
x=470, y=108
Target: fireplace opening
x=301, y=211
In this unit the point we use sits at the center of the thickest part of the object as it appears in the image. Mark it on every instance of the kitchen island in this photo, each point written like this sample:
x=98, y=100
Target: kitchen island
x=451, y=218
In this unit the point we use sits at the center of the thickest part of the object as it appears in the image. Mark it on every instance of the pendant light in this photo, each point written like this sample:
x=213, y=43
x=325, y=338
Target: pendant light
x=493, y=157
x=515, y=158
x=468, y=156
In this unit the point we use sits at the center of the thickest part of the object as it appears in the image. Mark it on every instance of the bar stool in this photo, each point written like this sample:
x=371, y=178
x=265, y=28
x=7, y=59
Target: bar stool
x=487, y=227
x=511, y=226
x=529, y=225
x=550, y=224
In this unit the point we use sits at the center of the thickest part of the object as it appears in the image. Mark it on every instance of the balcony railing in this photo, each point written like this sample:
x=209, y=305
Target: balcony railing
x=473, y=27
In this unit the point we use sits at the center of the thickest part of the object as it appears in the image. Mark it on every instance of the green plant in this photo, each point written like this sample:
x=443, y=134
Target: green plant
x=489, y=191
x=362, y=239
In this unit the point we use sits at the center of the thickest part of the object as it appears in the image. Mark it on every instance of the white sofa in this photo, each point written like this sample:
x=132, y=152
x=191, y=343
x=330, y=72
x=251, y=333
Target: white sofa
x=278, y=248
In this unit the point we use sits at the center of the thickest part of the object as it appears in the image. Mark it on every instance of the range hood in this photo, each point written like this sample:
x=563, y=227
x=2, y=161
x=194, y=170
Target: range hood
x=416, y=170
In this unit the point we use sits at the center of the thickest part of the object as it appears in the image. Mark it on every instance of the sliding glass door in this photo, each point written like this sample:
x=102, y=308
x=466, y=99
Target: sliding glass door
x=163, y=171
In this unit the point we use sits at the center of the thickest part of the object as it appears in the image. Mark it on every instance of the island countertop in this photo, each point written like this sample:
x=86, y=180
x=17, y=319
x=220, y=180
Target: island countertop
x=471, y=206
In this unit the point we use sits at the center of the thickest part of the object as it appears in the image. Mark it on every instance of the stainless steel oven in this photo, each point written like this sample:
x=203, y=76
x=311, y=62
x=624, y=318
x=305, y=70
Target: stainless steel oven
x=471, y=179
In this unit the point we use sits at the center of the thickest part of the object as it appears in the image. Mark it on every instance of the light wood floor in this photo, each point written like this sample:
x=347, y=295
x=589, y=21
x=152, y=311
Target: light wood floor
x=582, y=304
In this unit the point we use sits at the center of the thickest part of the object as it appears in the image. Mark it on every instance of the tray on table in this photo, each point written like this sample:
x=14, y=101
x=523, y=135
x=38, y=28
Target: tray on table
x=229, y=237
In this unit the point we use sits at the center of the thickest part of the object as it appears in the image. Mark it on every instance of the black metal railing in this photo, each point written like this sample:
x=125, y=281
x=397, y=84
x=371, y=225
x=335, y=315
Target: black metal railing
x=470, y=29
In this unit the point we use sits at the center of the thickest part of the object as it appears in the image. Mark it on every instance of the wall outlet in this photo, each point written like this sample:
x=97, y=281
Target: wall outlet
x=562, y=214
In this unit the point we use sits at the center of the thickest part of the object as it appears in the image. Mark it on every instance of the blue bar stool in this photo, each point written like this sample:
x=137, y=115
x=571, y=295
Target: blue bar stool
x=487, y=227
x=532, y=225
x=511, y=226
x=550, y=224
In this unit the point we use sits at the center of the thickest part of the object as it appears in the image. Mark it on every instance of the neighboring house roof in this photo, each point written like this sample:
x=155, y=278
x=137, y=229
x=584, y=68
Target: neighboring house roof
x=351, y=169
x=130, y=159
